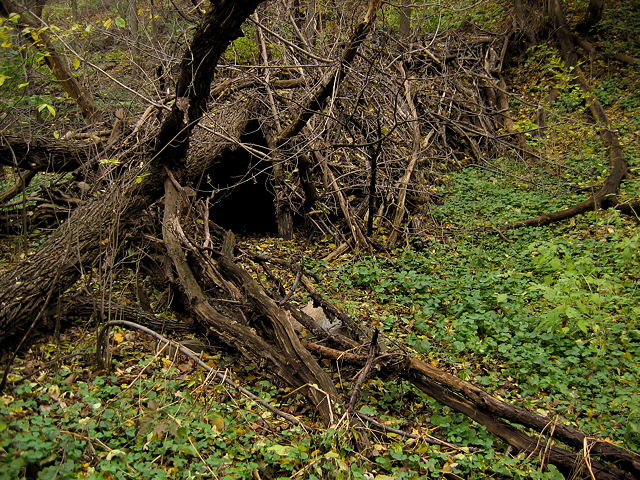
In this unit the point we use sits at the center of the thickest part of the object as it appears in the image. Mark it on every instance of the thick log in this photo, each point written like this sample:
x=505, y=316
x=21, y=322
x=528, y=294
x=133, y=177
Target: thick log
x=44, y=154
x=74, y=246
x=281, y=353
x=85, y=307
x=494, y=414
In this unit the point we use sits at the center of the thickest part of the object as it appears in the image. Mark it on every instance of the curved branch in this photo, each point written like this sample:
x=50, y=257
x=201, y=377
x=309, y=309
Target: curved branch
x=103, y=358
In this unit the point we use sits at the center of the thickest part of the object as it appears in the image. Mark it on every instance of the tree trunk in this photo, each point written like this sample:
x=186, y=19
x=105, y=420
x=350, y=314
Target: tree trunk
x=55, y=62
x=132, y=23
x=592, y=16
x=405, y=18
x=74, y=246
x=44, y=154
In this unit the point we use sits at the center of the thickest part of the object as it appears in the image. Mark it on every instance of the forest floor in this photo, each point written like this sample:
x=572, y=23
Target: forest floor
x=546, y=318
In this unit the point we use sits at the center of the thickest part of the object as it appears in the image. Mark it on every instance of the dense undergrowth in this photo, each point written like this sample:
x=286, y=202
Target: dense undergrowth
x=546, y=318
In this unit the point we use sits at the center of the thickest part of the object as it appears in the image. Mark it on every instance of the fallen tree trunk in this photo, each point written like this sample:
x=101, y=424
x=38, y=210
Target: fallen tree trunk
x=493, y=414
x=287, y=358
x=75, y=245
x=44, y=154
x=84, y=307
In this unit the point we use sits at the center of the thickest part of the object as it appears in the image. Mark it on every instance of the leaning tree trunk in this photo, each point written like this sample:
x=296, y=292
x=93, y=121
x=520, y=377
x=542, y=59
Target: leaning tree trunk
x=55, y=62
x=26, y=288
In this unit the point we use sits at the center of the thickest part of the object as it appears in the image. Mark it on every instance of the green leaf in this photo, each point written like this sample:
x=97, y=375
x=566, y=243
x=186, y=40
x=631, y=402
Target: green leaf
x=49, y=108
x=120, y=22
x=111, y=161
x=139, y=178
x=502, y=297
x=282, y=450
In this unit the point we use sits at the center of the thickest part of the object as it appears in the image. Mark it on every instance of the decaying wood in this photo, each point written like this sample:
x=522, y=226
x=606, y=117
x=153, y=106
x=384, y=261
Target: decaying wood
x=287, y=358
x=222, y=297
x=52, y=269
x=351, y=221
x=80, y=306
x=492, y=413
x=44, y=154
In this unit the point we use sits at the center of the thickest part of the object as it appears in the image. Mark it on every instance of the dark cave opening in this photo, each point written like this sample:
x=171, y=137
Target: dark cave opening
x=243, y=198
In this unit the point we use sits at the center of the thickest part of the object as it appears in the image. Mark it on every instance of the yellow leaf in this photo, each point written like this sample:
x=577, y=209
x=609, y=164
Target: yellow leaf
x=118, y=337
x=217, y=422
x=76, y=63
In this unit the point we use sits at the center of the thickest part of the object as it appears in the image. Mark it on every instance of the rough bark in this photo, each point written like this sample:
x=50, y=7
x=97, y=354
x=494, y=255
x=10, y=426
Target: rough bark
x=287, y=358
x=529, y=20
x=74, y=246
x=219, y=27
x=44, y=154
x=405, y=18
x=494, y=414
